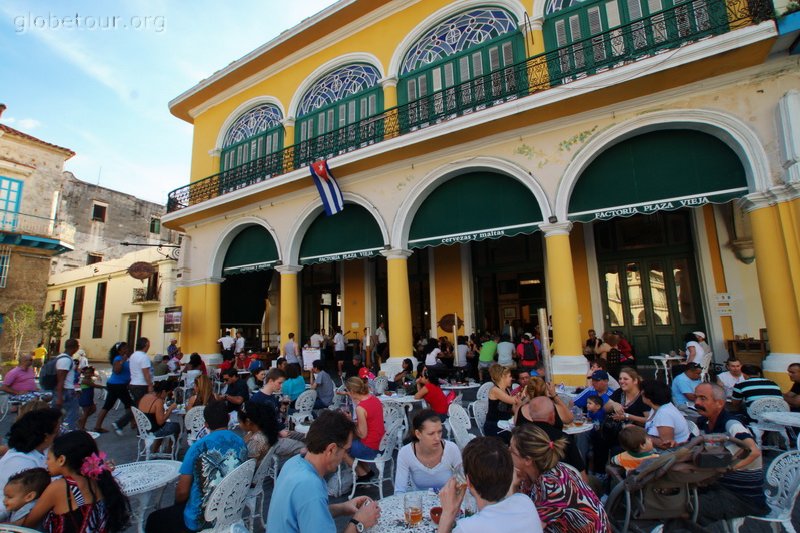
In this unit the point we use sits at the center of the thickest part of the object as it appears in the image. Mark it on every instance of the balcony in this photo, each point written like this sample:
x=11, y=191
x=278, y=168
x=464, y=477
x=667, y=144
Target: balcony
x=145, y=296
x=21, y=229
x=667, y=30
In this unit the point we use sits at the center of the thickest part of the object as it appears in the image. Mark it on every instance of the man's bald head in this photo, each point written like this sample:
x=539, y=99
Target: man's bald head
x=541, y=409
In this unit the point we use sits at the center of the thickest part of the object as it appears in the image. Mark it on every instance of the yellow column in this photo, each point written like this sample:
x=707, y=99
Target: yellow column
x=569, y=365
x=288, y=132
x=392, y=127
x=208, y=306
x=535, y=38
x=182, y=300
x=775, y=286
x=401, y=342
x=289, y=308
x=791, y=237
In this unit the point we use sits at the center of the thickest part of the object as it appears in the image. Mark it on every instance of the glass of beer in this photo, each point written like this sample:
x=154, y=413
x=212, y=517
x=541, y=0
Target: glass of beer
x=412, y=505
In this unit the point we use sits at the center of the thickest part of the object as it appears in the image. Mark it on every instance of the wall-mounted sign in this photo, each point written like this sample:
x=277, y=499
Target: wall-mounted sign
x=173, y=316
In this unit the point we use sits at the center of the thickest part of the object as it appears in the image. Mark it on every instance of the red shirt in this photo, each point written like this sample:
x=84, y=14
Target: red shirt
x=375, y=429
x=436, y=399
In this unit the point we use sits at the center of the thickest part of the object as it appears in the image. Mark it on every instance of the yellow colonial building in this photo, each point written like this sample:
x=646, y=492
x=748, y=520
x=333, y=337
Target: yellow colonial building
x=626, y=165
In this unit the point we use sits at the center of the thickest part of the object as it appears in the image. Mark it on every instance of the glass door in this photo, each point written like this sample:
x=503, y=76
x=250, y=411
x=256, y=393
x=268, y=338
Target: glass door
x=653, y=301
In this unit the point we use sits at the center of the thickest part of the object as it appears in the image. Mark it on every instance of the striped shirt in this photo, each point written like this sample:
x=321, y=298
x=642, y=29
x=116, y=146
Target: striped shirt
x=754, y=389
x=747, y=482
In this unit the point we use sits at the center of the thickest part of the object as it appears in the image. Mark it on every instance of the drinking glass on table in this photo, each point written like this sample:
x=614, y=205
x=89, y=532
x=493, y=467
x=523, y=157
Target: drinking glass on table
x=412, y=507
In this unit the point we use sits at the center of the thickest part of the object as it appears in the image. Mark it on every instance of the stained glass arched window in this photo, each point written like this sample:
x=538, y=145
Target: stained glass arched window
x=256, y=133
x=456, y=34
x=461, y=64
x=338, y=85
x=338, y=99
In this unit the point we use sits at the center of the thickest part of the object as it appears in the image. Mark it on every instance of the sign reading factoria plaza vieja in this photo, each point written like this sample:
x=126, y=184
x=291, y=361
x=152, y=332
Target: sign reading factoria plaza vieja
x=343, y=256
x=648, y=208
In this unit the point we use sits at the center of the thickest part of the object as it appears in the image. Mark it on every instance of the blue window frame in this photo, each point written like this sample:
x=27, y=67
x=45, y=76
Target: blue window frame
x=10, y=198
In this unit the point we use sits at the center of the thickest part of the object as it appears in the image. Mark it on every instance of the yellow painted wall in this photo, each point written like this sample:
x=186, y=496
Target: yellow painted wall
x=580, y=267
x=720, y=284
x=355, y=296
x=202, y=319
x=447, y=277
x=380, y=39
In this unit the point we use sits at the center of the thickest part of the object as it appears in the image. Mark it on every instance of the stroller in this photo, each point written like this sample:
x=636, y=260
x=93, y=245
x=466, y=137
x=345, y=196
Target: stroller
x=664, y=490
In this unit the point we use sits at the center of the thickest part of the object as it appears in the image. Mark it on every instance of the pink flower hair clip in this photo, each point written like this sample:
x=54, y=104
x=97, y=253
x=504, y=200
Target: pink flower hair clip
x=94, y=465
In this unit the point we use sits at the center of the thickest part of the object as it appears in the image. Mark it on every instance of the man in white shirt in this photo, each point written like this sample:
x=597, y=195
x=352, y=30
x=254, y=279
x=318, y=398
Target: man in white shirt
x=489, y=470
x=339, y=349
x=317, y=339
x=382, y=341
x=226, y=343
x=141, y=371
x=505, y=352
x=729, y=379
x=238, y=345
x=290, y=351
x=64, y=395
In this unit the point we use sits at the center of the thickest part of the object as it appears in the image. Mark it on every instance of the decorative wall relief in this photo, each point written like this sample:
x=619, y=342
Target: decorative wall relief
x=567, y=144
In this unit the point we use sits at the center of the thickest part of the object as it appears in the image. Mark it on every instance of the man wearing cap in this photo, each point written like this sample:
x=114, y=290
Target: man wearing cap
x=701, y=340
x=599, y=387
x=683, y=386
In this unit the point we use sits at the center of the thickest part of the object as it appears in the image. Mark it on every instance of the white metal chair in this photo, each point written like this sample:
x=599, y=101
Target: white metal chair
x=339, y=400
x=3, y=405
x=224, y=507
x=381, y=383
x=8, y=528
x=705, y=364
x=693, y=429
x=783, y=487
x=479, y=411
x=304, y=406
x=459, y=425
x=386, y=455
x=194, y=423
x=481, y=395
x=756, y=412
x=268, y=467
x=392, y=414
x=146, y=439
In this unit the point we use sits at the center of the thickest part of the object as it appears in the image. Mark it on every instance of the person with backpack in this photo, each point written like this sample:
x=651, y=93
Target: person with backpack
x=527, y=352
x=63, y=385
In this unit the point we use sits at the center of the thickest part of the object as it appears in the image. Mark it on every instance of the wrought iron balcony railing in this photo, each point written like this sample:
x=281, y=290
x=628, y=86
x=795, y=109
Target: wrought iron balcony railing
x=670, y=29
x=25, y=224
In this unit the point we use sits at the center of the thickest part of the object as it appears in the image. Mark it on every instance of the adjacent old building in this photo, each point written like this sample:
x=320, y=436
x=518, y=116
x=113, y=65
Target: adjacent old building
x=32, y=230
x=626, y=165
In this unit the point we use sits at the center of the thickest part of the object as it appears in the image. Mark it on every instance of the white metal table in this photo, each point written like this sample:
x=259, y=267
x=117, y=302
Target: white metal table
x=570, y=429
x=785, y=418
x=664, y=361
x=139, y=480
x=461, y=386
x=393, y=518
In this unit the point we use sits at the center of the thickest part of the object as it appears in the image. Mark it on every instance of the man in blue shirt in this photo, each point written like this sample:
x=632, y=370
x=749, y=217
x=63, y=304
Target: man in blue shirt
x=206, y=463
x=299, y=502
x=683, y=385
x=599, y=387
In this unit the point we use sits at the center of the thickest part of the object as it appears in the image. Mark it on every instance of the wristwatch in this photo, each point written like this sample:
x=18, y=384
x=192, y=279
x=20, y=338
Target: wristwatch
x=359, y=525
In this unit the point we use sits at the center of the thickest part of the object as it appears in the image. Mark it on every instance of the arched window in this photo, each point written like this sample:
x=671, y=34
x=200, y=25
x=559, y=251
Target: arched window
x=459, y=49
x=341, y=97
x=256, y=133
x=592, y=35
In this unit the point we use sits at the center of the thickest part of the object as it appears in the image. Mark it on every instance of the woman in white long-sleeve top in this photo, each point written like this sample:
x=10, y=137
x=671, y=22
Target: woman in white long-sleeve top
x=428, y=461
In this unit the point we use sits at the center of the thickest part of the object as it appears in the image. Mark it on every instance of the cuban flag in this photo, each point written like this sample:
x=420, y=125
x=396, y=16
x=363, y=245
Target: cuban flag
x=328, y=189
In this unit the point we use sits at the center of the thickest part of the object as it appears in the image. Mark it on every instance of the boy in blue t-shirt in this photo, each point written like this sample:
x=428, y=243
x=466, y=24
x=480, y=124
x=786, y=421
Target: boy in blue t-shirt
x=595, y=411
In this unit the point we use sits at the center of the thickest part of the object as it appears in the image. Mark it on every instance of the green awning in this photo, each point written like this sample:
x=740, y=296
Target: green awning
x=661, y=170
x=351, y=234
x=474, y=207
x=252, y=250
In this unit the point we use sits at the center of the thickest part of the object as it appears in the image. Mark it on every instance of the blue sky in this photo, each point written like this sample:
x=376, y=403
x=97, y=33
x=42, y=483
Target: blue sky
x=99, y=83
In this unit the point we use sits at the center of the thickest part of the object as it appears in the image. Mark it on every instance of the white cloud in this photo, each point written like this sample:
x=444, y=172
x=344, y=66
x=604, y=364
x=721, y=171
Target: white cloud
x=24, y=124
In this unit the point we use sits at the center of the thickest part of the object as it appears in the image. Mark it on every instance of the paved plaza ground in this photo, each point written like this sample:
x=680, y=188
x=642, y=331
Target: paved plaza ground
x=122, y=449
